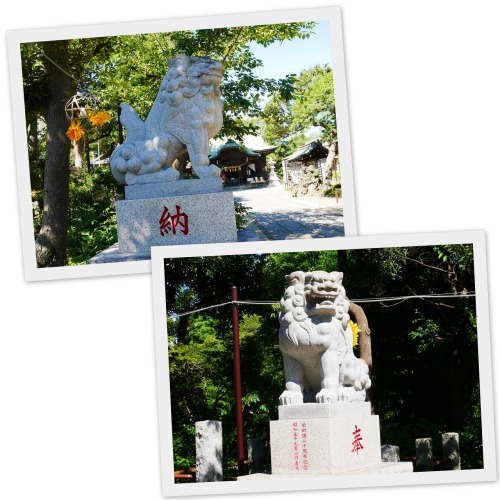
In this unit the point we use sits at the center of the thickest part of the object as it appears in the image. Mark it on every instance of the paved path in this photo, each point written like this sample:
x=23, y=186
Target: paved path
x=276, y=215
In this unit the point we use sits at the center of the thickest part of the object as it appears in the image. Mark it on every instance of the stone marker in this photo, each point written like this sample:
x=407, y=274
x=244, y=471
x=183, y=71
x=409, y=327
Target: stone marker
x=274, y=180
x=159, y=208
x=325, y=427
x=451, y=451
x=390, y=453
x=255, y=448
x=423, y=448
x=208, y=451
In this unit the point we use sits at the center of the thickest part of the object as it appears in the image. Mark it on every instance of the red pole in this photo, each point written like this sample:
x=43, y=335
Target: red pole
x=240, y=450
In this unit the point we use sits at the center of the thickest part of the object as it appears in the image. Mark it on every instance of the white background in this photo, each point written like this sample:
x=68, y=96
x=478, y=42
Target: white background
x=77, y=373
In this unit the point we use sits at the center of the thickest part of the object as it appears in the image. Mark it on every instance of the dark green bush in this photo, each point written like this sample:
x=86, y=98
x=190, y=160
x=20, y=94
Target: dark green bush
x=92, y=217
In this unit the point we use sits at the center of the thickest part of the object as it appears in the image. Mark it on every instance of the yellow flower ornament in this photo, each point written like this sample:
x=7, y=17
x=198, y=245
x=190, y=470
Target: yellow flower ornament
x=79, y=127
x=355, y=332
x=75, y=131
x=100, y=118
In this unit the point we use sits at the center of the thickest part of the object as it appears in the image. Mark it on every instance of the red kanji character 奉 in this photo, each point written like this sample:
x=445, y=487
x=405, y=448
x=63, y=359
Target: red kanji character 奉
x=356, y=444
x=169, y=222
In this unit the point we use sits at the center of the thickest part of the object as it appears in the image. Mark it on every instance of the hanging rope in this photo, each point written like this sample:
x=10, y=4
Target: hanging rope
x=59, y=67
x=357, y=301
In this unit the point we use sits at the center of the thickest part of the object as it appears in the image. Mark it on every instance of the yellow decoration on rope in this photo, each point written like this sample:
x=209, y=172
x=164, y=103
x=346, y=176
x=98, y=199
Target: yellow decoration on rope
x=100, y=118
x=75, y=131
x=355, y=332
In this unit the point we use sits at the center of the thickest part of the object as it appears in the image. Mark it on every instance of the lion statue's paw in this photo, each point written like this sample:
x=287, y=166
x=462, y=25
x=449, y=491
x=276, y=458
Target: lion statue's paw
x=165, y=175
x=354, y=372
x=291, y=398
x=327, y=396
x=349, y=394
x=207, y=171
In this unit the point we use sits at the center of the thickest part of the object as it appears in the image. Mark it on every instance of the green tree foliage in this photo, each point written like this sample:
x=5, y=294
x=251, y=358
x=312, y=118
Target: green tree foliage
x=314, y=101
x=288, y=120
x=310, y=104
x=425, y=350
x=425, y=367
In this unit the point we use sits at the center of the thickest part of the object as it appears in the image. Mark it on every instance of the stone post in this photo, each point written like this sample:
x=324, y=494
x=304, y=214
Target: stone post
x=208, y=451
x=390, y=453
x=451, y=451
x=255, y=448
x=273, y=176
x=424, y=461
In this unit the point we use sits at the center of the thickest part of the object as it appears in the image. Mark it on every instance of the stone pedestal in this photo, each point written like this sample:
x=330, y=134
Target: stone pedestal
x=312, y=439
x=175, y=220
x=170, y=213
x=321, y=440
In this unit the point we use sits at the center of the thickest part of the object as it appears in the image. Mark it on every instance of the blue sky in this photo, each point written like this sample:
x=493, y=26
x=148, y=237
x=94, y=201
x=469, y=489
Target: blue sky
x=292, y=56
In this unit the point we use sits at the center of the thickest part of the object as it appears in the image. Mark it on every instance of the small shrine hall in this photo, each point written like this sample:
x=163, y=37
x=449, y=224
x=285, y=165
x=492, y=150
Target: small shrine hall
x=241, y=165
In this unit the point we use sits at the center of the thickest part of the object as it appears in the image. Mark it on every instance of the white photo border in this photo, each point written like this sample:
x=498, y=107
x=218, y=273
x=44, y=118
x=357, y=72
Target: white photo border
x=14, y=40
x=488, y=473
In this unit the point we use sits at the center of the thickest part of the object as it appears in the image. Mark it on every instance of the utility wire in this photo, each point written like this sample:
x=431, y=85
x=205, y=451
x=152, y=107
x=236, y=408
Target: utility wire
x=357, y=301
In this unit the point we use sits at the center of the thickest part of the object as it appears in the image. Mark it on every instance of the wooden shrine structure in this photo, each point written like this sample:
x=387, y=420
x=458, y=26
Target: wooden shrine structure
x=241, y=165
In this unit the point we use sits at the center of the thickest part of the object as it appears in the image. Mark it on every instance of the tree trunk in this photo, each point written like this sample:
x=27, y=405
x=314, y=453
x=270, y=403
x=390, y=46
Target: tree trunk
x=32, y=134
x=51, y=242
x=364, y=343
x=180, y=165
x=329, y=165
x=78, y=152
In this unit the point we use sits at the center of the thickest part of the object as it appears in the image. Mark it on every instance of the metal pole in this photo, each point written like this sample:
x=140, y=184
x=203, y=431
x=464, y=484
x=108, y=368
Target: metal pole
x=240, y=450
x=87, y=154
x=120, y=128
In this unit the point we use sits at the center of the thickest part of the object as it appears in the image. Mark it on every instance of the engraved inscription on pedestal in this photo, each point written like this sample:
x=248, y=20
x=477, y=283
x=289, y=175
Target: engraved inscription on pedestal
x=324, y=445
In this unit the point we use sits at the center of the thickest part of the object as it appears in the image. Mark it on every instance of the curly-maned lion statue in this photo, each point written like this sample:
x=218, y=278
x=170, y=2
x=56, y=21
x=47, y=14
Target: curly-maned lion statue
x=187, y=112
x=316, y=341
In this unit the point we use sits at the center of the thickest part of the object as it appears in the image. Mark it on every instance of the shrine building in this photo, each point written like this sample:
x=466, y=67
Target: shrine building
x=313, y=153
x=242, y=165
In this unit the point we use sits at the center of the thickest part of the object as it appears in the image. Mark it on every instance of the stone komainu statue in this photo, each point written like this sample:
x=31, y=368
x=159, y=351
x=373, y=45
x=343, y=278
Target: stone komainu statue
x=316, y=341
x=186, y=113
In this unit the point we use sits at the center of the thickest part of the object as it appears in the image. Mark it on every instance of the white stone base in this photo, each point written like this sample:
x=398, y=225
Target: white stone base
x=382, y=468
x=332, y=445
x=315, y=440
x=200, y=218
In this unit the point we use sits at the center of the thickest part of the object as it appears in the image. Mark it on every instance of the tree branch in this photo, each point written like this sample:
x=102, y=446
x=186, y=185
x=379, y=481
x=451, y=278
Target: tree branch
x=232, y=44
x=427, y=265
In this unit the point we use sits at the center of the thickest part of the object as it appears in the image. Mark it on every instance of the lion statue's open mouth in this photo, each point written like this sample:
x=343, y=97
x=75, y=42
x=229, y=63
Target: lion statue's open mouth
x=321, y=291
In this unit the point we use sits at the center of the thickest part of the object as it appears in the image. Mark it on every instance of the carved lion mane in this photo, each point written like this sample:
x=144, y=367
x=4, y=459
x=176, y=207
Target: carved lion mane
x=316, y=341
x=187, y=112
